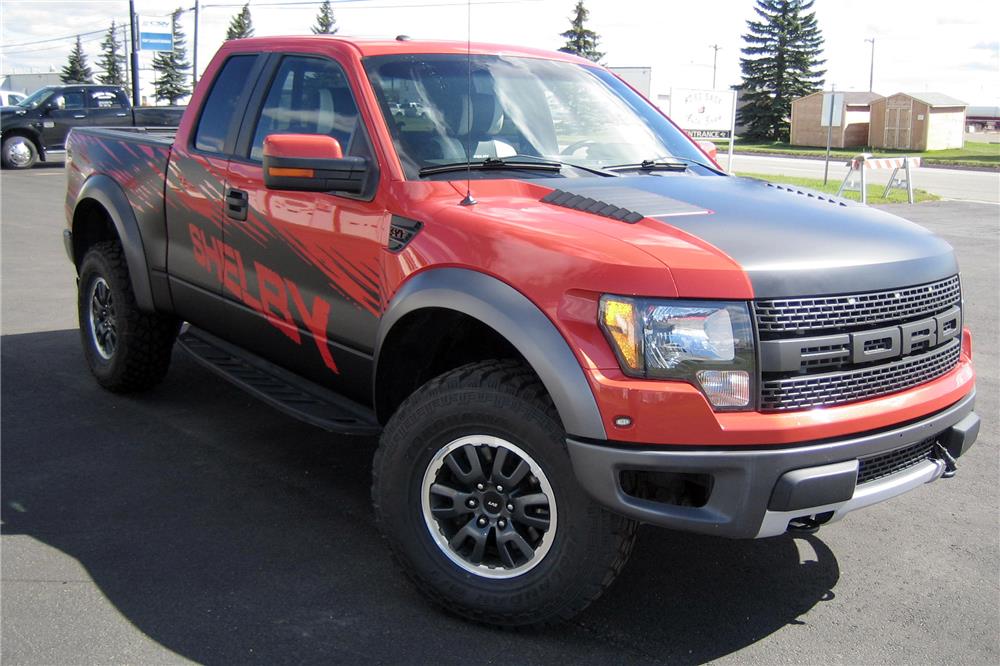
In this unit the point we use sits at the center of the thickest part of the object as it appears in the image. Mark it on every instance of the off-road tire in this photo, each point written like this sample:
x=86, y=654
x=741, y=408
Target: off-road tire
x=504, y=399
x=141, y=356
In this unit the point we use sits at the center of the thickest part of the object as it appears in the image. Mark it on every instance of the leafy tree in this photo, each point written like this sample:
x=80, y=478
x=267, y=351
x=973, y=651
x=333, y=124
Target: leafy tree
x=326, y=24
x=241, y=25
x=783, y=52
x=580, y=40
x=76, y=69
x=171, y=83
x=112, y=60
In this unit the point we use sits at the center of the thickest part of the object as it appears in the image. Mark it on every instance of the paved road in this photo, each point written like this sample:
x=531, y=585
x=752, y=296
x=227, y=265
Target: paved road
x=949, y=183
x=194, y=524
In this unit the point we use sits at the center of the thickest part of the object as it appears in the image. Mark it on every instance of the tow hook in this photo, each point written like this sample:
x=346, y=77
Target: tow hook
x=950, y=466
x=804, y=525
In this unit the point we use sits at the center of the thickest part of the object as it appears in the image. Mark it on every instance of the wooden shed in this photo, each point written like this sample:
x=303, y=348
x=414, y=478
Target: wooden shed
x=807, y=128
x=918, y=122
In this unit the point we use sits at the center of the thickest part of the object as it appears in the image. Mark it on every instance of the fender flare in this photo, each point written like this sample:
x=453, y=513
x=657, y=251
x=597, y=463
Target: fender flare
x=109, y=194
x=509, y=313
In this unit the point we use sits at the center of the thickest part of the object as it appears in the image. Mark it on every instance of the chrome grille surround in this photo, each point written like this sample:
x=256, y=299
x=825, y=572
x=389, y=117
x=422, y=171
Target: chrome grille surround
x=853, y=311
x=837, y=388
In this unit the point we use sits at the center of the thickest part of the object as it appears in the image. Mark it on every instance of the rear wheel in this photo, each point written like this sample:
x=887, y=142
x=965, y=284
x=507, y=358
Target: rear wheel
x=475, y=493
x=18, y=153
x=126, y=349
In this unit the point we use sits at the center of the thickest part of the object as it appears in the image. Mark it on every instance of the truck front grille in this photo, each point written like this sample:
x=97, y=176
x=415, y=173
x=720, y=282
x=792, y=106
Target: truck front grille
x=882, y=465
x=837, y=388
x=853, y=311
x=823, y=344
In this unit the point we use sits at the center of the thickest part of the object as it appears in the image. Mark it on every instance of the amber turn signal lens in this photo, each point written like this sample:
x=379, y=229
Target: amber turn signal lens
x=618, y=317
x=290, y=172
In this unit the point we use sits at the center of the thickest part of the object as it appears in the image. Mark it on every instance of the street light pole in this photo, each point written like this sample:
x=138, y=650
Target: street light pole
x=194, y=60
x=715, y=59
x=871, y=72
x=134, y=54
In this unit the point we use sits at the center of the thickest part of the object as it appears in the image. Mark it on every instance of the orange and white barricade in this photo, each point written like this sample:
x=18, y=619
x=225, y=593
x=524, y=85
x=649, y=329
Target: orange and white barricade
x=856, y=179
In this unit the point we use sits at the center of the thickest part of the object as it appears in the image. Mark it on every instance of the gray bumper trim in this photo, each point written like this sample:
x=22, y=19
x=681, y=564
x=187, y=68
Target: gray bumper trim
x=744, y=480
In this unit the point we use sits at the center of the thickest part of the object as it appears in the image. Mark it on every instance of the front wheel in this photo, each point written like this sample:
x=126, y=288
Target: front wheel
x=18, y=153
x=475, y=493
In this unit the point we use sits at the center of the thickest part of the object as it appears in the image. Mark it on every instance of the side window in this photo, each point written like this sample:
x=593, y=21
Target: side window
x=221, y=109
x=70, y=101
x=308, y=96
x=16, y=99
x=105, y=99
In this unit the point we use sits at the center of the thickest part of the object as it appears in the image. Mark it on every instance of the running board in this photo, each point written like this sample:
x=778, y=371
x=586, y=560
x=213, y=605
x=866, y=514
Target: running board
x=278, y=387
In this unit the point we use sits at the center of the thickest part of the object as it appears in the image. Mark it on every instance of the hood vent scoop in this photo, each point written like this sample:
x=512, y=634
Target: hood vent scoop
x=589, y=205
x=808, y=193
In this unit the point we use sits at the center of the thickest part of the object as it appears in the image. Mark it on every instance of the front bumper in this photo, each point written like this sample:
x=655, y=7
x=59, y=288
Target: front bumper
x=756, y=492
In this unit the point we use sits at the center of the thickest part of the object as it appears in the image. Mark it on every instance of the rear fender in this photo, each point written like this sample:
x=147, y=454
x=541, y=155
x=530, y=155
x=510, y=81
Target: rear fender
x=105, y=191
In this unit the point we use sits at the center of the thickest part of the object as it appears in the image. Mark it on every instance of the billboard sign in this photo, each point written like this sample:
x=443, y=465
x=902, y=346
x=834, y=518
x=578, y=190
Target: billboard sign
x=704, y=114
x=156, y=33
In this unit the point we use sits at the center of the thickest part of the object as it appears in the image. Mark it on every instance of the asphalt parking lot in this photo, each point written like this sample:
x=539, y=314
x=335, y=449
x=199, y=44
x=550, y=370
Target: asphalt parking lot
x=194, y=524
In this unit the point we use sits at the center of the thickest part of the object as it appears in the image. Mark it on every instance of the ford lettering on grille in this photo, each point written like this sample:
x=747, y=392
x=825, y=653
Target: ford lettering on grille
x=848, y=365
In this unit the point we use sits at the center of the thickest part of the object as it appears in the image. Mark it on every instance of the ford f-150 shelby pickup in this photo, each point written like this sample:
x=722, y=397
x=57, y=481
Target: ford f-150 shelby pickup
x=559, y=315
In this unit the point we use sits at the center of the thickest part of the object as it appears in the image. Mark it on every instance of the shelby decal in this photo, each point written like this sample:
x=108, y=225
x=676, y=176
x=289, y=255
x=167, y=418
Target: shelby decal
x=273, y=292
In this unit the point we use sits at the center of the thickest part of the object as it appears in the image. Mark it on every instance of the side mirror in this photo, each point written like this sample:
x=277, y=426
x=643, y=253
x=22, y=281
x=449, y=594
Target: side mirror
x=710, y=149
x=311, y=163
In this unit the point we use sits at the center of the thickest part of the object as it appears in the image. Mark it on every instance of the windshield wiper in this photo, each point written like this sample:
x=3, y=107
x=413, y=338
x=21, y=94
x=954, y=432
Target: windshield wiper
x=667, y=163
x=491, y=164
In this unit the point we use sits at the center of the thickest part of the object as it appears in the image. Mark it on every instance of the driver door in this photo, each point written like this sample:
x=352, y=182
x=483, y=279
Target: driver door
x=64, y=111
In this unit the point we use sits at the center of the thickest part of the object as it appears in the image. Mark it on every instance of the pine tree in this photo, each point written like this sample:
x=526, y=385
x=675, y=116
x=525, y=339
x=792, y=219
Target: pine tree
x=241, y=25
x=112, y=60
x=326, y=24
x=171, y=83
x=76, y=69
x=580, y=40
x=783, y=55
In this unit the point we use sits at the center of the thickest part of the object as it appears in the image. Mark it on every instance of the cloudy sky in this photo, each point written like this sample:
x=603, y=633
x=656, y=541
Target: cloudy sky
x=949, y=47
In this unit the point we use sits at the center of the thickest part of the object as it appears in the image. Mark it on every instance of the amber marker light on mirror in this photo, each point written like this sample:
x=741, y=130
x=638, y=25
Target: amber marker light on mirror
x=289, y=172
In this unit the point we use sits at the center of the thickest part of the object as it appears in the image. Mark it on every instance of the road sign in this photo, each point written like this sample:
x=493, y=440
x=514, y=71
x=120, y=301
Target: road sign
x=156, y=33
x=705, y=114
x=833, y=110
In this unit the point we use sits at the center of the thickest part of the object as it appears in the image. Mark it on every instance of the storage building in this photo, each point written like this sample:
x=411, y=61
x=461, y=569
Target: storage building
x=807, y=123
x=918, y=122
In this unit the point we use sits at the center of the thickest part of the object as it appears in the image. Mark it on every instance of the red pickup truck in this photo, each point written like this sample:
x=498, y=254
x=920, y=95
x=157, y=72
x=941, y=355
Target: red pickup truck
x=560, y=317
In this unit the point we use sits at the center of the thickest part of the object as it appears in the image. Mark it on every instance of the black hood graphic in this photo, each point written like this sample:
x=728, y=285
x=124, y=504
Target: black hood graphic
x=790, y=242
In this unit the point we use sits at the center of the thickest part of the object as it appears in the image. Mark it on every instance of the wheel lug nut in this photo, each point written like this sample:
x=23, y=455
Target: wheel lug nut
x=471, y=503
x=499, y=489
x=480, y=486
x=501, y=523
x=481, y=522
x=510, y=507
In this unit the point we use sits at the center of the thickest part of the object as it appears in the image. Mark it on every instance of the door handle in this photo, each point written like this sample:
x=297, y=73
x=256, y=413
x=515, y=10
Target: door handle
x=82, y=115
x=121, y=115
x=237, y=203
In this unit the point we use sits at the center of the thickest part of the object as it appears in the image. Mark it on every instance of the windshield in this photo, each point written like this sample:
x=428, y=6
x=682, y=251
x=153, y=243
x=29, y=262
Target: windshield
x=514, y=107
x=35, y=98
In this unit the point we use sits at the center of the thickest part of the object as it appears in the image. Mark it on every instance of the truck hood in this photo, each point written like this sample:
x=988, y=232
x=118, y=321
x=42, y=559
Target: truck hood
x=790, y=242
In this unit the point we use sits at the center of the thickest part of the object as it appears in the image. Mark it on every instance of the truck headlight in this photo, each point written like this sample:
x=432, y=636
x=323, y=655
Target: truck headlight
x=707, y=343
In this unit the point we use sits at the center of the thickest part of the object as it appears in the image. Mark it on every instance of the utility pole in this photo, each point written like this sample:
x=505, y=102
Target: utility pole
x=128, y=65
x=871, y=72
x=715, y=60
x=194, y=50
x=135, y=53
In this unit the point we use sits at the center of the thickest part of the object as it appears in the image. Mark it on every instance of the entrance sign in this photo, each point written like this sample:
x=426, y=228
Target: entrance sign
x=705, y=114
x=156, y=33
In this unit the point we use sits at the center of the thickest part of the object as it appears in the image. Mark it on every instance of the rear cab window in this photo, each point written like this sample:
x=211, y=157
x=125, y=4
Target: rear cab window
x=106, y=99
x=222, y=110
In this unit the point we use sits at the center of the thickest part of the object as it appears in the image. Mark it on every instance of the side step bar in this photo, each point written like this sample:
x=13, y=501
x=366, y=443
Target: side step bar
x=278, y=387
